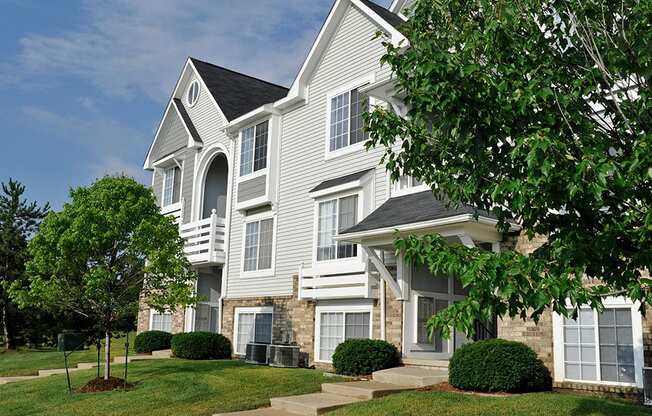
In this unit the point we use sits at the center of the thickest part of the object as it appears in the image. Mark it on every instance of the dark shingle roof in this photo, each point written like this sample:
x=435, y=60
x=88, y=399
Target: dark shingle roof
x=410, y=209
x=391, y=18
x=236, y=93
x=340, y=181
x=186, y=120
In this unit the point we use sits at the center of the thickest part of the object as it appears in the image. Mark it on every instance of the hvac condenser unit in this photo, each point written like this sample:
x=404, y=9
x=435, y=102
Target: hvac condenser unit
x=256, y=353
x=284, y=355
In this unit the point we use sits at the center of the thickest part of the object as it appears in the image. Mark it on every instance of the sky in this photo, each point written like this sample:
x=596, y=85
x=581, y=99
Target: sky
x=84, y=83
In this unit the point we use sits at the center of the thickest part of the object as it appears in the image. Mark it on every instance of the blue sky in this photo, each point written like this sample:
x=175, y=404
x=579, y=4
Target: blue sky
x=84, y=83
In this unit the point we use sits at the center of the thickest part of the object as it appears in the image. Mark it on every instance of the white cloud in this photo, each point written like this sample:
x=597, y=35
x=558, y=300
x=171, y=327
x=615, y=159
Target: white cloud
x=130, y=47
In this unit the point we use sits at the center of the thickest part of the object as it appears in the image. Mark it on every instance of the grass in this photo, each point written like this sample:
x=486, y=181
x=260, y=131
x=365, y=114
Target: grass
x=165, y=387
x=27, y=362
x=458, y=404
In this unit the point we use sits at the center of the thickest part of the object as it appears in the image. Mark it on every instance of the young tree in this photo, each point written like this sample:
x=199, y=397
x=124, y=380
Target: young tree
x=19, y=220
x=107, y=247
x=538, y=111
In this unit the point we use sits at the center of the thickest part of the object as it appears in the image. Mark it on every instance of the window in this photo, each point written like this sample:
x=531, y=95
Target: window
x=193, y=93
x=334, y=216
x=253, y=325
x=160, y=321
x=407, y=184
x=336, y=327
x=346, y=123
x=599, y=347
x=253, y=148
x=171, y=186
x=258, y=244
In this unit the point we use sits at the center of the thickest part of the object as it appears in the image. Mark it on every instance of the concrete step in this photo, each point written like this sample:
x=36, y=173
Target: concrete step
x=121, y=358
x=162, y=353
x=363, y=390
x=14, y=379
x=437, y=364
x=411, y=376
x=263, y=411
x=311, y=404
x=86, y=366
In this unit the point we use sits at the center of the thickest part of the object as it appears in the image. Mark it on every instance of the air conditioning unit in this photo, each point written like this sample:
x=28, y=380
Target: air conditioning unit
x=647, y=386
x=256, y=353
x=284, y=355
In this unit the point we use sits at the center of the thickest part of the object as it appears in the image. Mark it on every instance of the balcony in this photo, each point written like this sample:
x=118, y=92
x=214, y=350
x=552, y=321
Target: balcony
x=330, y=283
x=204, y=240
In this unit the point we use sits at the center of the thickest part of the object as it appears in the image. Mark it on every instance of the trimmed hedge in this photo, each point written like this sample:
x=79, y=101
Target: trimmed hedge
x=201, y=346
x=149, y=341
x=498, y=365
x=355, y=357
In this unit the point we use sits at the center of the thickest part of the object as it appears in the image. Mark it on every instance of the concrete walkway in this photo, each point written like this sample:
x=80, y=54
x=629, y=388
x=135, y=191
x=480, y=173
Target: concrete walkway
x=335, y=395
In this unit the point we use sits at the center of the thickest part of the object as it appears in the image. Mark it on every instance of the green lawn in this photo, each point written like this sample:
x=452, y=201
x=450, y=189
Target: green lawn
x=27, y=362
x=165, y=387
x=458, y=404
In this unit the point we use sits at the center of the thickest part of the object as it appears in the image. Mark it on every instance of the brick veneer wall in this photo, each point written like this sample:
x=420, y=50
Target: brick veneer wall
x=178, y=319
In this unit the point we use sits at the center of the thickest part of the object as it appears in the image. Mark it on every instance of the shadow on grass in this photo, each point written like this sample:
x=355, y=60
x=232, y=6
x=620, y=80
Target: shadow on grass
x=608, y=407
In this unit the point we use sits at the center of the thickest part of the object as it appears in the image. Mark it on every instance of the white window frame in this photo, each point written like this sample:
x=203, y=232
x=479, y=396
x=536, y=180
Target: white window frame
x=357, y=84
x=347, y=261
x=411, y=189
x=153, y=312
x=254, y=173
x=194, y=82
x=245, y=310
x=256, y=218
x=637, y=339
x=340, y=308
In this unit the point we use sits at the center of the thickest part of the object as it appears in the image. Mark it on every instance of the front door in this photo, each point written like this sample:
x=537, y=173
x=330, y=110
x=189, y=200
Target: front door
x=429, y=295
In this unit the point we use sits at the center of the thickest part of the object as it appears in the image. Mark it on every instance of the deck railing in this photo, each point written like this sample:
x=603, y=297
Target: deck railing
x=319, y=283
x=204, y=239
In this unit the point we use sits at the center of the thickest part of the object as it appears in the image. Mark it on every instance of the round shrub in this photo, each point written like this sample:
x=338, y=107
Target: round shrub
x=149, y=341
x=201, y=346
x=355, y=357
x=498, y=365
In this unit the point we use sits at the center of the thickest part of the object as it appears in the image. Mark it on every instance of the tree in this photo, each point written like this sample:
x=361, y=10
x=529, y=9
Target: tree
x=19, y=220
x=106, y=248
x=538, y=112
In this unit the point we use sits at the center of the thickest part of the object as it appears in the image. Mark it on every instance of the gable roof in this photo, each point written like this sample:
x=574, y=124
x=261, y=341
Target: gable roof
x=186, y=120
x=330, y=183
x=390, y=17
x=235, y=93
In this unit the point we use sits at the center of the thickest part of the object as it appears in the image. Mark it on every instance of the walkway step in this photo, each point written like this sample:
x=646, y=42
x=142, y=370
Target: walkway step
x=162, y=353
x=436, y=364
x=86, y=366
x=311, y=404
x=45, y=373
x=411, y=376
x=363, y=390
x=14, y=379
x=263, y=411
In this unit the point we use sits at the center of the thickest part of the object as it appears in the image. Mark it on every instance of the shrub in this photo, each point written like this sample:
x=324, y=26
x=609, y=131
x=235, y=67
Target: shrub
x=356, y=357
x=201, y=346
x=498, y=365
x=149, y=341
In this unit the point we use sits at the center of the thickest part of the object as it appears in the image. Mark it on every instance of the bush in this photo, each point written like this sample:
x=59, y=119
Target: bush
x=355, y=357
x=498, y=365
x=149, y=341
x=201, y=346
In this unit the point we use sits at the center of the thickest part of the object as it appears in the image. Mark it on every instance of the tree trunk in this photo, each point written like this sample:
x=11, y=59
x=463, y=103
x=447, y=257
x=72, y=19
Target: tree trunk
x=107, y=356
x=5, y=328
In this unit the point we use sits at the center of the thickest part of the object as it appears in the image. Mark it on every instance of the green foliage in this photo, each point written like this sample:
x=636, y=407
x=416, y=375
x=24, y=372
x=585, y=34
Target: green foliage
x=201, y=346
x=498, y=365
x=538, y=112
x=149, y=341
x=355, y=357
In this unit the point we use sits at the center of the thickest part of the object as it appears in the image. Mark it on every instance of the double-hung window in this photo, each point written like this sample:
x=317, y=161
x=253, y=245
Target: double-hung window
x=336, y=327
x=336, y=215
x=258, y=245
x=161, y=321
x=253, y=148
x=254, y=325
x=171, y=185
x=346, y=123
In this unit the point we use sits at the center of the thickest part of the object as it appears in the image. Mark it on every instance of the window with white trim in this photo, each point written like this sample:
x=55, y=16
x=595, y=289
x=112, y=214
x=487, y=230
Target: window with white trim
x=171, y=186
x=253, y=148
x=193, y=93
x=600, y=346
x=336, y=327
x=407, y=184
x=253, y=327
x=259, y=239
x=346, y=123
x=161, y=321
x=336, y=215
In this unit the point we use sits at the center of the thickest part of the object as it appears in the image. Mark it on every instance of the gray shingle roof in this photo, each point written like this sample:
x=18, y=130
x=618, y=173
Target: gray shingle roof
x=341, y=180
x=237, y=93
x=410, y=209
x=391, y=18
x=186, y=119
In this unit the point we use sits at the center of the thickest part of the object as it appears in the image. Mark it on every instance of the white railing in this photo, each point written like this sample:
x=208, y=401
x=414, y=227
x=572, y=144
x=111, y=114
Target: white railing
x=175, y=211
x=320, y=283
x=204, y=239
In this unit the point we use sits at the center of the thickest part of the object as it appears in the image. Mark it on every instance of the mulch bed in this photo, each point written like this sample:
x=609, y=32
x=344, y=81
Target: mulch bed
x=99, y=384
x=447, y=388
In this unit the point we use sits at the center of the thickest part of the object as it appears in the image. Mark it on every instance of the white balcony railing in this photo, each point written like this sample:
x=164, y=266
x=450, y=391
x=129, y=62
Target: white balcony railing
x=321, y=283
x=204, y=240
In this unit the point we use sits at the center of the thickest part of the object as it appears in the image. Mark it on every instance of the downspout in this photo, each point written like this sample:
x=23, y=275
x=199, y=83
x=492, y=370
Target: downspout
x=382, y=309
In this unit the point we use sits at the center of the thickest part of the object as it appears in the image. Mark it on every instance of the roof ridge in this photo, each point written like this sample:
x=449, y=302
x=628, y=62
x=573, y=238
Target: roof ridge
x=240, y=73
